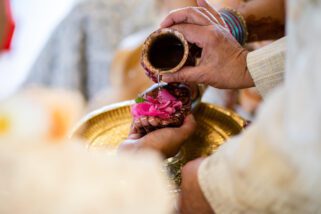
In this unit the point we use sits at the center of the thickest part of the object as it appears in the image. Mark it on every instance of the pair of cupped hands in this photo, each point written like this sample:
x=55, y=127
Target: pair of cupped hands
x=222, y=65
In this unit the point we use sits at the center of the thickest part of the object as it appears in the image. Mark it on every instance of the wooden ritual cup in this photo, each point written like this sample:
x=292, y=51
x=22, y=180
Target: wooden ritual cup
x=167, y=51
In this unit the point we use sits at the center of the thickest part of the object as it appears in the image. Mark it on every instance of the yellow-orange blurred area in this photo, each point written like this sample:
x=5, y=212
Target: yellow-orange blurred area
x=36, y=113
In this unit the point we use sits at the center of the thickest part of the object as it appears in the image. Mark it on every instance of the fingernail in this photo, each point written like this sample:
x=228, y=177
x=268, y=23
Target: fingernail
x=165, y=123
x=153, y=121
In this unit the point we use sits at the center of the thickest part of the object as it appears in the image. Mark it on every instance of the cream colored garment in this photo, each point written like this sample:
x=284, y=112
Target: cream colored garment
x=266, y=66
x=41, y=178
x=275, y=165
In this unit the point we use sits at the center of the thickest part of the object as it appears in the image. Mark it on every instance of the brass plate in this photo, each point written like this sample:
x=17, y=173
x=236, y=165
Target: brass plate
x=108, y=127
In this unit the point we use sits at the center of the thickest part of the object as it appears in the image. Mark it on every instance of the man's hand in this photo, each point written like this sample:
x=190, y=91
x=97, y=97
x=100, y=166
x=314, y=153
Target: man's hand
x=223, y=61
x=192, y=199
x=166, y=141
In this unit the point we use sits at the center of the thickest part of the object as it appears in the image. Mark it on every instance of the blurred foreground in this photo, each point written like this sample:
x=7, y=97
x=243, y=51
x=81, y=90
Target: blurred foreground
x=42, y=171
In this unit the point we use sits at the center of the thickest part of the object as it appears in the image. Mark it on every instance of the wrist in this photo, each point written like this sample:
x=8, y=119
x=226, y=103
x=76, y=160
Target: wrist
x=247, y=79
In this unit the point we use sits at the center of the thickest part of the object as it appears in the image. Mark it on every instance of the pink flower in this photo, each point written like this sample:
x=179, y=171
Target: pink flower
x=163, y=106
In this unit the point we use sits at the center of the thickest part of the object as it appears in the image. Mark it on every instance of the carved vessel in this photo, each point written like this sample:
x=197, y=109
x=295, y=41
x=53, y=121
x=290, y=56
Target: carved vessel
x=167, y=51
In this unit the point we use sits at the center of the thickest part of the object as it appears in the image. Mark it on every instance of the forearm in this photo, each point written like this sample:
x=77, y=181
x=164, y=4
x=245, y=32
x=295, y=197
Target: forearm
x=265, y=19
x=192, y=199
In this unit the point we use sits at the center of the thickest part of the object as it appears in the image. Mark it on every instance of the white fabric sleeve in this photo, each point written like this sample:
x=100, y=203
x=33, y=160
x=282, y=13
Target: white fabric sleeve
x=267, y=65
x=274, y=165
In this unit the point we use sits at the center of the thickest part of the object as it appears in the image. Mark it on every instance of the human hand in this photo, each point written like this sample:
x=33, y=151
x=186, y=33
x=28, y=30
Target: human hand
x=166, y=141
x=203, y=9
x=223, y=61
x=192, y=199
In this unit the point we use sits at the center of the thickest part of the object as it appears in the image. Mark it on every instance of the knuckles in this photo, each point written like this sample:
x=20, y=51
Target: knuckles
x=214, y=37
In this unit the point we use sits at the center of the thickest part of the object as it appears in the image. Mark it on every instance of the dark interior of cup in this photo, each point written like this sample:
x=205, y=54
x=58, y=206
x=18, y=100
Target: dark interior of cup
x=166, y=52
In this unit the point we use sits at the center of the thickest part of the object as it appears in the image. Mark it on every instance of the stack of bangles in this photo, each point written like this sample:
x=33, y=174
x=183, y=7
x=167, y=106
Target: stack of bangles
x=236, y=24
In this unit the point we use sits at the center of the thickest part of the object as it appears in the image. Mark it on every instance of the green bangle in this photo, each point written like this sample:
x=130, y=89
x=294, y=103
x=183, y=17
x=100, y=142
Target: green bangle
x=236, y=24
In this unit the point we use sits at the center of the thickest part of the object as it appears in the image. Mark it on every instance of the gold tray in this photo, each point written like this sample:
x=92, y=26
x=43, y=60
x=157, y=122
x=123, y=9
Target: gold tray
x=109, y=126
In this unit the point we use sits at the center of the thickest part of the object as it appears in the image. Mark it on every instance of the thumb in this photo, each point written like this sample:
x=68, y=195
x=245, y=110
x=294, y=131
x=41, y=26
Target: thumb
x=192, y=33
x=169, y=140
x=185, y=75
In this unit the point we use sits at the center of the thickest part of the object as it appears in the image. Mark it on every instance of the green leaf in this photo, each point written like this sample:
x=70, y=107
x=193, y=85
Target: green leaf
x=139, y=100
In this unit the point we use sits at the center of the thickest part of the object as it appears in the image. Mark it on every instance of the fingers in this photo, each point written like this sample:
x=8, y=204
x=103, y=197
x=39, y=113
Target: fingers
x=171, y=137
x=187, y=128
x=147, y=121
x=134, y=133
x=143, y=123
x=151, y=121
x=207, y=6
x=136, y=126
x=203, y=15
x=168, y=141
x=164, y=122
x=192, y=33
x=189, y=15
x=185, y=75
x=154, y=121
x=208, y=14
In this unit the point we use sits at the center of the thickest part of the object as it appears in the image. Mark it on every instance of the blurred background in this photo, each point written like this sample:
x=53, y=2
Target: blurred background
x=59, y=60
x=34, y=22
x=84, y=52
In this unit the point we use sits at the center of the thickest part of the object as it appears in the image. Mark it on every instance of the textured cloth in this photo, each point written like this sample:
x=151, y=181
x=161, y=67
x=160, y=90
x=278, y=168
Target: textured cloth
x=274, y=166
x=68, y=178
x=267, y=65
x=80, y=51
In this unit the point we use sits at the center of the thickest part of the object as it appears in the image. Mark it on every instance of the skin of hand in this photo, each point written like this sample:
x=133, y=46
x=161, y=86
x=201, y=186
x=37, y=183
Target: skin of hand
x=166, y=141
x=192, y=199
x=223, y=61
